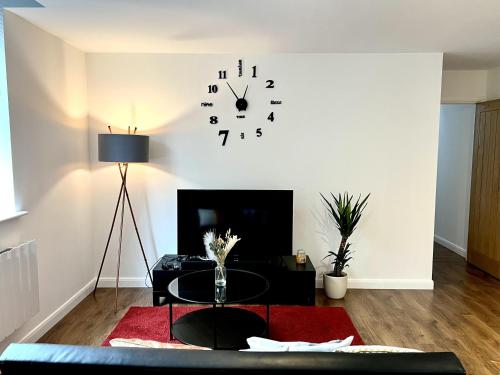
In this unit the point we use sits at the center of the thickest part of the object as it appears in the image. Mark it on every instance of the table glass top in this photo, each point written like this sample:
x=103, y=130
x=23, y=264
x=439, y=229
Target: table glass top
x=199, y=287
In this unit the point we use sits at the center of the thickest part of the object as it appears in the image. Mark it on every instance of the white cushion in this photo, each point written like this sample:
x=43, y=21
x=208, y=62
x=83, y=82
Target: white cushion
x=259, y=344
x=138, y=343
x=376, y=349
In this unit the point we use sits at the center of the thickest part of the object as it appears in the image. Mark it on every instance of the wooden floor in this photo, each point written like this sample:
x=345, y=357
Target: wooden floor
x=462, y=314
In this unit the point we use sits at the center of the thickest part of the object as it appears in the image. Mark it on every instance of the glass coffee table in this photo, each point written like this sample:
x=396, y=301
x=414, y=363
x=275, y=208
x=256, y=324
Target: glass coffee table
x=219, y=327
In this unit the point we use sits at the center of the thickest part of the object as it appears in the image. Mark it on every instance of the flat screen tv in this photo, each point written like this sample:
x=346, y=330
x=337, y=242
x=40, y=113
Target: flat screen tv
x=263, y=219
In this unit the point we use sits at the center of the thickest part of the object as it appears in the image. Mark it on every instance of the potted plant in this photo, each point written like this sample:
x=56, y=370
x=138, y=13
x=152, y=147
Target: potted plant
x=345, y=215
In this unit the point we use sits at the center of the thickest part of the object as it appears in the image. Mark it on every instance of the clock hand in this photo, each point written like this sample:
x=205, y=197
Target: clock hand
x=245, y=92
x=232, y=90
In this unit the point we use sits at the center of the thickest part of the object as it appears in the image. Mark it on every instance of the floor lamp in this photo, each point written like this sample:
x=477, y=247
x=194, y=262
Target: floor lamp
x=122, y=149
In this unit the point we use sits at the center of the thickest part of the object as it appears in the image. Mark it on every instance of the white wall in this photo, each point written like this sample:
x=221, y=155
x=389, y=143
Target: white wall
x=47, y=94
x=470, y=86
x=493, y=87
x=7, y=185
x=361, y=122
x=456, y=138
x=464, y=86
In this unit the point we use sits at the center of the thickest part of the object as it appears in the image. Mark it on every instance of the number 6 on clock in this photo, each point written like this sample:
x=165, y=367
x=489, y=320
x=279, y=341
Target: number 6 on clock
x=225, y=133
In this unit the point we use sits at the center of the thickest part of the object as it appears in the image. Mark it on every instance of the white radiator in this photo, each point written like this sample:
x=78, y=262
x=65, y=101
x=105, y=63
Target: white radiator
x=19, y=300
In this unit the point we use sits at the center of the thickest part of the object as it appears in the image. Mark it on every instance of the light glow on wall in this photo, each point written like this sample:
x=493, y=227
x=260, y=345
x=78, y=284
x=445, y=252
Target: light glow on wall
x=6, y=177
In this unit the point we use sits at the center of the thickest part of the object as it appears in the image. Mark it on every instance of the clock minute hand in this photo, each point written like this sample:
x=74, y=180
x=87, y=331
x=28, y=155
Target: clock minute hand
x=245, y=92
x=232, y=90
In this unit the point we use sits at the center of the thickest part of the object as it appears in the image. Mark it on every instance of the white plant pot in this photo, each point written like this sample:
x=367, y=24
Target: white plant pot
x=335, y=287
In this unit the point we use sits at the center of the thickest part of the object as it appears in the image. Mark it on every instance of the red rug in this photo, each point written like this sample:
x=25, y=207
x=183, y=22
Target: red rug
x=287, y=323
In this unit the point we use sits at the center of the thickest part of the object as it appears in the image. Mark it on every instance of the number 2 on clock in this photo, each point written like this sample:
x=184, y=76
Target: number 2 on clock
x=225, y=133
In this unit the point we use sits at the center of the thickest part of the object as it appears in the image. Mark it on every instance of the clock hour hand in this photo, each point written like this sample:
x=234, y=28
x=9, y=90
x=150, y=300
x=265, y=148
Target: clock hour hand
x=232, y=90
x=245, y=92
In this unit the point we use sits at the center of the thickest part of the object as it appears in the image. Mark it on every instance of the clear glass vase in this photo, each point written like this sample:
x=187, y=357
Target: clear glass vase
x=220, y=275
x=220, y=294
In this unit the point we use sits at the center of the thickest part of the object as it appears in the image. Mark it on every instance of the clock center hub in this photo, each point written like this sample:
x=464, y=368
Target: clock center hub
x=241, y=104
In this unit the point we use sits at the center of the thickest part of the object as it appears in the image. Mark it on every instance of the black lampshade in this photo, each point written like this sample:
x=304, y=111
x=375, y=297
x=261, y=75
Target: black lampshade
x=123, y=148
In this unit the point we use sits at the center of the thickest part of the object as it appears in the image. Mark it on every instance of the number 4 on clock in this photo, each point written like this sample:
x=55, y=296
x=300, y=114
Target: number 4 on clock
x=225, y=133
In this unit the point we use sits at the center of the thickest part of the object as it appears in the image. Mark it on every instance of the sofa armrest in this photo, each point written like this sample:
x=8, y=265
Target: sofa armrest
x=59, y=359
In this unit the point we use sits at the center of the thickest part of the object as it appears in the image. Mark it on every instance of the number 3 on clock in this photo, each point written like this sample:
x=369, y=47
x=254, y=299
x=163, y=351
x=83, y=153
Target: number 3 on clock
x=225, y=133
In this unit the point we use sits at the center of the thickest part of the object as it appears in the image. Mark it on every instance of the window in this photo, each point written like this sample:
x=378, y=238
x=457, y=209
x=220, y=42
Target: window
x=7, y=207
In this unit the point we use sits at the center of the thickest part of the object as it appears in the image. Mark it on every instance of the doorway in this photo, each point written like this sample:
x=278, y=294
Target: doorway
x=455, y=154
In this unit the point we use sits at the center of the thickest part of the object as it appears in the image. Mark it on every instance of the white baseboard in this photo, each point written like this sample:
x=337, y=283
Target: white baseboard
x=49, y=322
x=451, y=246
x=125, y=282
x=423, y=284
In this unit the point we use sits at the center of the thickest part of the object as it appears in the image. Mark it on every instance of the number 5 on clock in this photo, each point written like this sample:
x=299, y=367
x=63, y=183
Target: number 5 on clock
x=225, y=133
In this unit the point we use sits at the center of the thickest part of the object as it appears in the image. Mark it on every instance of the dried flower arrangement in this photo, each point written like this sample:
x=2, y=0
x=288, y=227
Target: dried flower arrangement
x=217, y=247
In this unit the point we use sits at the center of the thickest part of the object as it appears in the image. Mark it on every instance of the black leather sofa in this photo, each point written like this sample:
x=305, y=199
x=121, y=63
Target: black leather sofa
x=65, y=359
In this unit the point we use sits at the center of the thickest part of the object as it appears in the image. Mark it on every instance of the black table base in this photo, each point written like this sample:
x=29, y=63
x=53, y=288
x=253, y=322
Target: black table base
x=219, y=327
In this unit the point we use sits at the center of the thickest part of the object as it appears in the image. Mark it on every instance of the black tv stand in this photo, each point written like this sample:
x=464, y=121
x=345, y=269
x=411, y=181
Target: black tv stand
x=290, y=283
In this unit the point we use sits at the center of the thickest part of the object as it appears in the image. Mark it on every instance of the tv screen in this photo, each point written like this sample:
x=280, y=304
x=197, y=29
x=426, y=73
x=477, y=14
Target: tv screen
x=263, y=219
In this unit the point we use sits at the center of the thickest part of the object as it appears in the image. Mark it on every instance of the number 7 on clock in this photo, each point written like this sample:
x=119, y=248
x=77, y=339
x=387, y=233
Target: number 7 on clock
x=225, y=133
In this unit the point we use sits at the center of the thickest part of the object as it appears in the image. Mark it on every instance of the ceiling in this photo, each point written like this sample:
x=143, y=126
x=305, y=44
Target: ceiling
x=468, y=32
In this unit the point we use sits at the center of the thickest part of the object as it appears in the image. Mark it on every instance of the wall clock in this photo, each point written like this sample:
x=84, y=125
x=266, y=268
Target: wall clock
x=233, y=85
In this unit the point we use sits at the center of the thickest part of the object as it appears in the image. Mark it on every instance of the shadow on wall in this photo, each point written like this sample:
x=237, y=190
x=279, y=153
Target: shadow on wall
x=150, y=227
x=328, y=236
